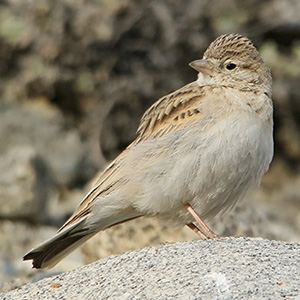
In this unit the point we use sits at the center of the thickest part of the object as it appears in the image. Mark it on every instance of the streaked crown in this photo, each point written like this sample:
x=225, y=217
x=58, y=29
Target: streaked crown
x=231, y=45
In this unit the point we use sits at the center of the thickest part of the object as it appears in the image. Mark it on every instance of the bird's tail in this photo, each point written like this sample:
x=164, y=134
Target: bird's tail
x=50, y=252
x=68, y=238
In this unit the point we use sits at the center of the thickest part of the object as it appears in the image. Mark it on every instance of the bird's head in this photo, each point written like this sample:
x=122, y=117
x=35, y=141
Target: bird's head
x=232, y=60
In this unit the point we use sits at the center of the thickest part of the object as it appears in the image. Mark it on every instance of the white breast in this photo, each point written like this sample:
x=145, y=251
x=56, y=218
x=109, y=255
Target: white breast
x=211, y=167
x=211, y=171
x=232, y=163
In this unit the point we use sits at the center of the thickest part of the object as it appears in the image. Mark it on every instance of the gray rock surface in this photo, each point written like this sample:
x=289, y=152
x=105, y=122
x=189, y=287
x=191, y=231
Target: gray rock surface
x=228, y=268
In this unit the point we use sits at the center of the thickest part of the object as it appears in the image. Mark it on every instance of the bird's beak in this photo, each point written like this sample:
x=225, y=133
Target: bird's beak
x=202, y=65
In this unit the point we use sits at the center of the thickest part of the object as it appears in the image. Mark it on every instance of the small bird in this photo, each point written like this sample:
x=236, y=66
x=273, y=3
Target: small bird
x=198, y=151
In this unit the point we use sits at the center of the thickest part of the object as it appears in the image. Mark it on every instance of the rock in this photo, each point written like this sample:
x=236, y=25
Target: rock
x=229, y=268
x=21, y=187
x=38, y=157
x=41, y=125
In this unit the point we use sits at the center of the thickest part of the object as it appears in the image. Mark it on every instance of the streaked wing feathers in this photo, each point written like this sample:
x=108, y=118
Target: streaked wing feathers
x=101, y=187
x=170, y=112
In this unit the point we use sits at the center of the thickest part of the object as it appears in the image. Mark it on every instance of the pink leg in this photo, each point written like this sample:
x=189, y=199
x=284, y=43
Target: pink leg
x=197, y=230
x=204, y=231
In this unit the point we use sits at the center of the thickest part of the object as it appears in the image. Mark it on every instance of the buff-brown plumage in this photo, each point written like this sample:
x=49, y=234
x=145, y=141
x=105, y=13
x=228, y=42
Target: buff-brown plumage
x=231, y=45
x=198, y=151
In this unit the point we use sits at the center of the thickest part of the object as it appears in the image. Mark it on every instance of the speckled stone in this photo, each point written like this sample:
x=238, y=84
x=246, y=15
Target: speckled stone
x=227, y=268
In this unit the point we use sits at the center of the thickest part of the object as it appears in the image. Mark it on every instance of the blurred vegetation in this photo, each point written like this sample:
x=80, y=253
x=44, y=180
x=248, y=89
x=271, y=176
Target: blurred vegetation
x=119, y=56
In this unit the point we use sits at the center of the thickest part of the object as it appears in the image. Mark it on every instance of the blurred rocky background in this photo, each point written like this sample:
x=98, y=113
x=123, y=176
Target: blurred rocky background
x=75, y=78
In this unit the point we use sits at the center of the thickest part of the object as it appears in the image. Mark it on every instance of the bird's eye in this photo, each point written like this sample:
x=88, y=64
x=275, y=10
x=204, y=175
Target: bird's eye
x=230, y=66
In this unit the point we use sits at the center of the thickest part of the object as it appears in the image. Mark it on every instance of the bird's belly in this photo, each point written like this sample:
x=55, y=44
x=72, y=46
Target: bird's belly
x=215, y=171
